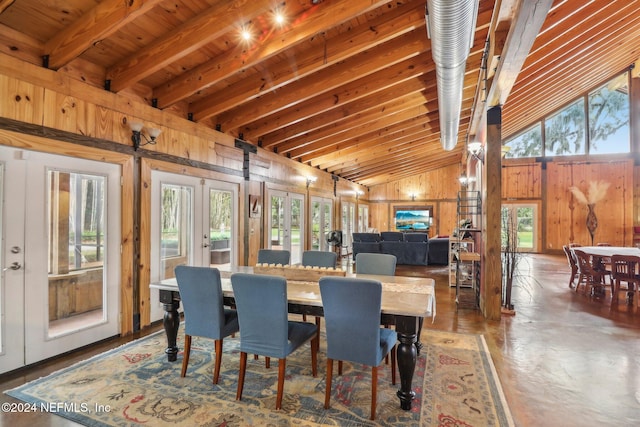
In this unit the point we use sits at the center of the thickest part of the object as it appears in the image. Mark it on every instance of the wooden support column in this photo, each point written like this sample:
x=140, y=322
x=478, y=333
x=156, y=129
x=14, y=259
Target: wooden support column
x=491, y=289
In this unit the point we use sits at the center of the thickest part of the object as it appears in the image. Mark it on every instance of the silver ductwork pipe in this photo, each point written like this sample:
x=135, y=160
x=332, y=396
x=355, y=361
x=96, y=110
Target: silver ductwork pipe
x=451, y=26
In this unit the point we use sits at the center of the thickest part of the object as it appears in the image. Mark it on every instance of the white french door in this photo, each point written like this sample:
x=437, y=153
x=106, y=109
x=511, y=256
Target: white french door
x=60, y=227
x=321, y=216
x=348, y=224
x=285, y=228
x=193, y=222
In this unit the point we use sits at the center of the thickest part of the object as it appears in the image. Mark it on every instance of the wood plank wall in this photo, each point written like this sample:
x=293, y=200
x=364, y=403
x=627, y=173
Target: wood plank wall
x=437, y=188
x=44, y=111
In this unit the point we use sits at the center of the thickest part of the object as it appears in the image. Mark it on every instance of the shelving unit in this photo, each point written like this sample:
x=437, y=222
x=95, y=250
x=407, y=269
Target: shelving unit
x=457, y=245
x=462, y=253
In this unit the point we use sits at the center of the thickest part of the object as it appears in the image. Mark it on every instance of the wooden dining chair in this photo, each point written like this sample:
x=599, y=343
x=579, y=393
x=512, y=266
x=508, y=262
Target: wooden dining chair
x=626, y=277
x=588, y=274
x=572, y=264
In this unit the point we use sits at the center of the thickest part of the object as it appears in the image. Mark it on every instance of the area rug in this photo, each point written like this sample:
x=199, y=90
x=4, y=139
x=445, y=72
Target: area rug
x=455, y=385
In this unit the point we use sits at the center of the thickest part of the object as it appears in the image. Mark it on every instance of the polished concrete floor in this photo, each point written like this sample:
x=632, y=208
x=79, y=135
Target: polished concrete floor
x=564, y=358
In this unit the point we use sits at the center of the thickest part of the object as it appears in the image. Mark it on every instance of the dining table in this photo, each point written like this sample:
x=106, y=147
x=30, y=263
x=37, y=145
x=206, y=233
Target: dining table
x=406, y=302
x=608, y=251
x=600, y=253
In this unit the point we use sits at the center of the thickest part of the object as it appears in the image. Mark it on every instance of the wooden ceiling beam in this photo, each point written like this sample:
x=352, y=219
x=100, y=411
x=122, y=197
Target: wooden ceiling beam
x=378, y=137
x=103, y=20
x=525, y=27
x=381, y=151
x=396, y=50
x=321, y=119
x=355, y=126
x=216, y=21
x=326, y=15
x=409, y=76
x=383, y=145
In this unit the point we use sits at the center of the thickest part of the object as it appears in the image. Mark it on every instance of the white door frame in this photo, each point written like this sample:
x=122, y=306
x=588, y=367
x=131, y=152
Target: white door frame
x=31, y=319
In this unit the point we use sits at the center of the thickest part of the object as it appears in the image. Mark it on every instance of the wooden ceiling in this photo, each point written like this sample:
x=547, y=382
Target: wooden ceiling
x=346, y=86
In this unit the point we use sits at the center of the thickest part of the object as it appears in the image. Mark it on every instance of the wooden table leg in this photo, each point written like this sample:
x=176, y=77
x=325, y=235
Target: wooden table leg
x=171, y=321
x=407, y=328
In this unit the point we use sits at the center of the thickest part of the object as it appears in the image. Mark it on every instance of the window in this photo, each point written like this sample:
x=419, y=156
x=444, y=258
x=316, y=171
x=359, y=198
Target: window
x=609, y=117
x=565, y=131
x=526, y=144
x=77, y=207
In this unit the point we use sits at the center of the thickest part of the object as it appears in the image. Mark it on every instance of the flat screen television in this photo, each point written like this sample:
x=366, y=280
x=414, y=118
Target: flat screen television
x=408, y=219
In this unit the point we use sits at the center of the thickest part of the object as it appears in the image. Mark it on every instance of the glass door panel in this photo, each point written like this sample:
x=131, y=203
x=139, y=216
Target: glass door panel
x=321, y=214
x=286, y=226
x=176, y=228
x=523, y=219
x=77, y=234
x=221, y=231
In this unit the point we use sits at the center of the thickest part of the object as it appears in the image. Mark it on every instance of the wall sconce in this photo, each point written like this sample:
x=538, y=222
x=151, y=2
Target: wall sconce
x=311, y=180
x=359, y=193
x=466, y=180
x=475, y=149
x=413, y=196
x=137, y=135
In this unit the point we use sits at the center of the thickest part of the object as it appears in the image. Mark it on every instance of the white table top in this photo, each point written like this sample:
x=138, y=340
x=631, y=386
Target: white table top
x=405, y=296
x=609, y=250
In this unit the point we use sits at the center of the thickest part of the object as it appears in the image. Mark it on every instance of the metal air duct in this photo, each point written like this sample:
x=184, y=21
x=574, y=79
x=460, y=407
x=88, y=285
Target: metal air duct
x=451, y=26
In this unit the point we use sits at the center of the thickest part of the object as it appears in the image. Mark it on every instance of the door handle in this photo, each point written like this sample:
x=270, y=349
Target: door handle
x=15, y=266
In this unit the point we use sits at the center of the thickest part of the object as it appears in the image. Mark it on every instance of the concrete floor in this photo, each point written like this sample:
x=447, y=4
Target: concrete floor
x=564, y=358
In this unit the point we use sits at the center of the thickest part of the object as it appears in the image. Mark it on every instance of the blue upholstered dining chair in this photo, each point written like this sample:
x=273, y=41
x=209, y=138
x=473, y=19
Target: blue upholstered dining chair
x=265, y=329
x=273, y=256
x=319, y=259
x=381, y=264
x=352, y=317
x=204, y=313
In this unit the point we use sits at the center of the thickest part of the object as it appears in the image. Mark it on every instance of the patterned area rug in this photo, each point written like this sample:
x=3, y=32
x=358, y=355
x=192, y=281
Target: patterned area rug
x=455, y=385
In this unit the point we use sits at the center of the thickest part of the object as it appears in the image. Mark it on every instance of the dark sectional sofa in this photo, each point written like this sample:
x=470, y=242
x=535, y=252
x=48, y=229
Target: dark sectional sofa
x=409, y=248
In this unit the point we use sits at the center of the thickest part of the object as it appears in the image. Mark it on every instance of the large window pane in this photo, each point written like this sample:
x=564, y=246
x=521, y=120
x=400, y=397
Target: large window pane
x=526, y=144
x=77, y=240
x=565, y=131
x=609, y=117
x=176, y=221
x=220, y=226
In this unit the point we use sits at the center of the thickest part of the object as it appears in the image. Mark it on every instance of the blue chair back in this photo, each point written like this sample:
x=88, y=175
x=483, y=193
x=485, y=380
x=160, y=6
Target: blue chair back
x=319, y=259
x=380, y=264
x=274, y=256
x=201, y=295
x=352, y=317
x=261, y=301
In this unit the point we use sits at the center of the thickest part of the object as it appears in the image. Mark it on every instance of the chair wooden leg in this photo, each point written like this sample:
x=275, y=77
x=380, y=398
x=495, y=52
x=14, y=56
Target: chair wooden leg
x=339, y=367
x=393, y=365
x=327, y=393
x=185, y=355
x=218, y=362
x=315, y=345
x=241, y=371
x=281, y=371
x=267, y=362
x=374, y=391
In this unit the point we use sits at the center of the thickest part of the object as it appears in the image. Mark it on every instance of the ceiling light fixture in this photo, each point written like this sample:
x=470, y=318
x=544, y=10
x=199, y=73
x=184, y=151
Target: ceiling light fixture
x=137, y=135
